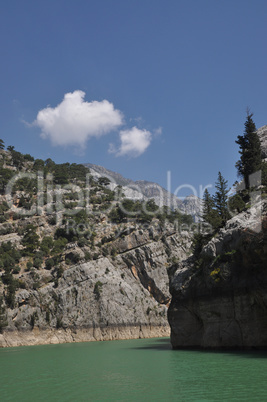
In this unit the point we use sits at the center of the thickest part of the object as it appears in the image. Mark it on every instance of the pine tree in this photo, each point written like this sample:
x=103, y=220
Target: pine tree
x=250, y=151
x=208, y=207
x=220, y=199
x=210, y=214
x=2, y=144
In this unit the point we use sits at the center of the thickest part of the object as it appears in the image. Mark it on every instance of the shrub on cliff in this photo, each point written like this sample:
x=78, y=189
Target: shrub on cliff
x=98, y=289
x=30, y=240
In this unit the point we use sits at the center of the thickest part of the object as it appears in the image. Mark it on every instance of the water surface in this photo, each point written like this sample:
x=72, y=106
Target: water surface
x=132, y=370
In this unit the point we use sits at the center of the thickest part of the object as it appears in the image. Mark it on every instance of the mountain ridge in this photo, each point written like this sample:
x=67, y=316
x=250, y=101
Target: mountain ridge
x=144, y=189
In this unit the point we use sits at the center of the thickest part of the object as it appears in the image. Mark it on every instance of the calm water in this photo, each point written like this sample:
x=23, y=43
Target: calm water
x=134, y=370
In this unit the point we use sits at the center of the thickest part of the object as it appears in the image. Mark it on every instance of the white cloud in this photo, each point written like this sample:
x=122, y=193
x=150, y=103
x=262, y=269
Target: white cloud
x=74, y=120
x=134, y=142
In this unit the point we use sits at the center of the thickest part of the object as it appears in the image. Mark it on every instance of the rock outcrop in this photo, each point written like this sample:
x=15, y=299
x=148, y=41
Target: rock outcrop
x=119, y=297
x=79, y=259
x=262, y=133
x=219, y=299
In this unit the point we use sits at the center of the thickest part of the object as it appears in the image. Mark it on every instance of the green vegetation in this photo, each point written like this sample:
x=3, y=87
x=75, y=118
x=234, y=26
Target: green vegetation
x=210, y=214
x=49, y=263
x=250, y=151
x=17, y=159
x=29, y=158
x=3, y=318
x=219, y=208
x=215, y=208
x=30, y=240
x=174, y=216
x=9, y=257
x=66, y=172
x=98, y=289
x=144, y=212
x=220, y=199
x=3, y=209
x=103, y=181
x=72, y=258
x=236, y=204
x=5, y=176
x=47, y=245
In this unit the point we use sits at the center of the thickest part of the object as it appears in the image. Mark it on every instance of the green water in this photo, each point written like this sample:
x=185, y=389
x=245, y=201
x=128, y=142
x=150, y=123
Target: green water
x=134, y=370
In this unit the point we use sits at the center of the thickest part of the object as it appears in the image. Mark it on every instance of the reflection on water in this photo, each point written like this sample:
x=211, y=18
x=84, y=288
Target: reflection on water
x=134, y=370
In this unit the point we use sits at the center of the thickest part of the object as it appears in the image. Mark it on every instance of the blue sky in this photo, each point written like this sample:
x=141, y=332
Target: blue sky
x=152, y=86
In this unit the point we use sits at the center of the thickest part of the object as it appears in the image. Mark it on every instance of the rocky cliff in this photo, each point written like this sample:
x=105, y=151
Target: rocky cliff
x=125, y=296
x=262, y=133
x=219, y=298
x=77, y=262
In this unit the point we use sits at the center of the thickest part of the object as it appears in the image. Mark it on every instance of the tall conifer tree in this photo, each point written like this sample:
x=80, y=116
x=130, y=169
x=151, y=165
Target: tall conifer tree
x=220, y=199
x=210, y=214
x=250, y=151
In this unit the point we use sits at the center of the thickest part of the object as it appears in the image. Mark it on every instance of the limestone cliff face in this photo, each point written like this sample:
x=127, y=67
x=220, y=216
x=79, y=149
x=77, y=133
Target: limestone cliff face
x=79, y=259
x=220, y=298
x=262, y=133
x=124, y=296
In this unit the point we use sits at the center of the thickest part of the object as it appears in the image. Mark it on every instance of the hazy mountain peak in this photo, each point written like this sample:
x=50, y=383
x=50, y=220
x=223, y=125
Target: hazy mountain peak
x=144, y=189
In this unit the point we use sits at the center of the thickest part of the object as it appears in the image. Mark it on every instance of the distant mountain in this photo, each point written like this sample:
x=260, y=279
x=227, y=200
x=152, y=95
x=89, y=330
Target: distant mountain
x=192, y=205
x=142, y=189
x=101, y=171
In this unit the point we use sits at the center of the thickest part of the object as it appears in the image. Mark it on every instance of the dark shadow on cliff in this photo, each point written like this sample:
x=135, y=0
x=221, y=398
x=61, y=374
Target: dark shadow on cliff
x=160, y=344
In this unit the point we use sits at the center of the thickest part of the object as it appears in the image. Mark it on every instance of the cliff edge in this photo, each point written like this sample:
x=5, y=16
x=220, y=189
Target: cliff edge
x=219, y=299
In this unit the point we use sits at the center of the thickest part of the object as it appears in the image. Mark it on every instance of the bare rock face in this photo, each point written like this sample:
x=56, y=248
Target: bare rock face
x=125, y=296
x=219, y=300
x=262, y=133
x=70, y=273
x=193, y=205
